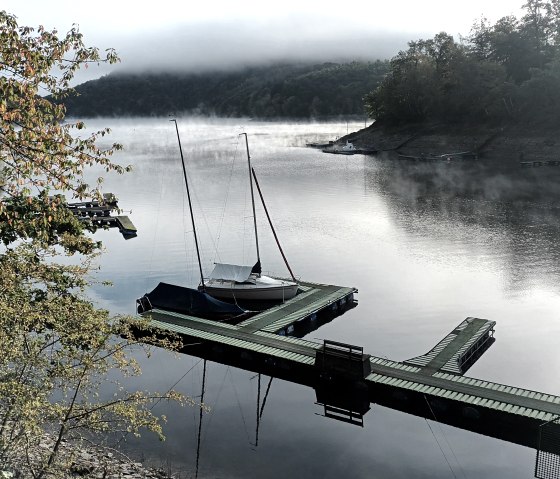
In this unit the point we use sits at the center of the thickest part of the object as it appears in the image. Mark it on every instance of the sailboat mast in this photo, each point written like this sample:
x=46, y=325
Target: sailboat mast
x=190, y=205
x=272, y=226
x=253, y=203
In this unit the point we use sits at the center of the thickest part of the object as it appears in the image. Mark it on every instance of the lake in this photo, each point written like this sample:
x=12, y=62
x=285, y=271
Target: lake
x=427, y=245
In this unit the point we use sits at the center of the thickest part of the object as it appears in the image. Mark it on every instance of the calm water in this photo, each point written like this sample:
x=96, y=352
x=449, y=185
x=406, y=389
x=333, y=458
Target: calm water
x=426, y=245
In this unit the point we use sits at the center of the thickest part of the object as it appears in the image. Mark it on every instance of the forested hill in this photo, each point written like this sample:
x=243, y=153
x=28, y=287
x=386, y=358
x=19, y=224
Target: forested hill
x=296, y=91
x=503, y=73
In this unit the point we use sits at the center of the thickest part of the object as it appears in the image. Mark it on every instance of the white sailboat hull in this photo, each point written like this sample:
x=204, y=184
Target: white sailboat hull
x=261, y=288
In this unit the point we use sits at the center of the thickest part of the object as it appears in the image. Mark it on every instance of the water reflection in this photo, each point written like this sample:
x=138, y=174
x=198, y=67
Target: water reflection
x=347, y=404
x=347, y=397
x=507, y=219
x=424, y=251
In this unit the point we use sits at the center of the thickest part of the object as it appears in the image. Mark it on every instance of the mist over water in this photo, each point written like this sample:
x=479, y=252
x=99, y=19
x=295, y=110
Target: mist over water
x=426, y=245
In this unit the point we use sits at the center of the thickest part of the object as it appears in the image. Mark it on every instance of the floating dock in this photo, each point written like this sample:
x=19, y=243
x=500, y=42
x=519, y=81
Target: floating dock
x=122, y=223
x=458, y=351
x=538, y=163
x=432, y=385
x=98, y=213
x=356, y=151
x=461, y=155
x=268, y=331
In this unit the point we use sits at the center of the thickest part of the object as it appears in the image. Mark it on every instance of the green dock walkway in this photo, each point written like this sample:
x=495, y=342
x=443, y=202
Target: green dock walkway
x=438, y=373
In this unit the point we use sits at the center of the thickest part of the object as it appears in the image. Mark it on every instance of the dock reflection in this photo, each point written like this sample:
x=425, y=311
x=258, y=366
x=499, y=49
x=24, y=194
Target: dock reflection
x=349, y=401
x=347, y=382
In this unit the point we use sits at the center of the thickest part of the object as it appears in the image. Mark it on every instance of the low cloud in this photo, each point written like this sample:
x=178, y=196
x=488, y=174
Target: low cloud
x=226, y=46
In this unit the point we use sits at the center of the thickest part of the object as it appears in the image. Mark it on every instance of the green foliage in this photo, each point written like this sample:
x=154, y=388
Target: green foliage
x=39, y=154
x=296, y=91
x=56, y=347
x=539, y=97
x=503, y=72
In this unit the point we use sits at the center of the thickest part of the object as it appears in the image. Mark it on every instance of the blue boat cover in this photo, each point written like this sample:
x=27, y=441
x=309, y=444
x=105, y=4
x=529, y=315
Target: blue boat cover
x=178, y=299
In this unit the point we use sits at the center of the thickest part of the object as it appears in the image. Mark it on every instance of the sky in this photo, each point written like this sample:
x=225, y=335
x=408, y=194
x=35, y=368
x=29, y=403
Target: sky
x=220, y=34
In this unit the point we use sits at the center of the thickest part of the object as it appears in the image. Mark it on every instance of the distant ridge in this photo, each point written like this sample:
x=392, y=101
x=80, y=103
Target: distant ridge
x=287, y=90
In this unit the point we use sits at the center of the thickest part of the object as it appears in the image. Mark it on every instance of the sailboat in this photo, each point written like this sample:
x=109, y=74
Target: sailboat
x=193, y=302
x=247, y=283
x=227, y=281
x=230, y=281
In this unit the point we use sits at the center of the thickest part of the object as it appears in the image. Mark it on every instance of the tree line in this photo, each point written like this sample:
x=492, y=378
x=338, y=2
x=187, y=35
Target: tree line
x=500, y=73
x=288, y=90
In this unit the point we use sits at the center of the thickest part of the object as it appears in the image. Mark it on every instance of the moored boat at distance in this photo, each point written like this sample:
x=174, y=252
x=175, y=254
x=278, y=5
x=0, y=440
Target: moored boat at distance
x=346, y=149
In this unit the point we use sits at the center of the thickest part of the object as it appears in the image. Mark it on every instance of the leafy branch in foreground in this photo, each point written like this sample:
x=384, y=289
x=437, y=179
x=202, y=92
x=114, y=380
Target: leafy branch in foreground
x=40, y=154
x=57, y=349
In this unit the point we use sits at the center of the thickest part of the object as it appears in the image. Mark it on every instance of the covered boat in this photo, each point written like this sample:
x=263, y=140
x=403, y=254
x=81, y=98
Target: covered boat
x=179, y=299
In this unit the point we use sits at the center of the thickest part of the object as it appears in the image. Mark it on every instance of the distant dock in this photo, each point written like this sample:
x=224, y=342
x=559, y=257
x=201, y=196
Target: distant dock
x=454, y=156
x=538, y=163
x=98, y=213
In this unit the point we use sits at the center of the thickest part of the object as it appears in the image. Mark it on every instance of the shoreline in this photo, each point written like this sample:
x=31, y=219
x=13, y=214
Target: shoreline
x=516, y=143
x=85, y=460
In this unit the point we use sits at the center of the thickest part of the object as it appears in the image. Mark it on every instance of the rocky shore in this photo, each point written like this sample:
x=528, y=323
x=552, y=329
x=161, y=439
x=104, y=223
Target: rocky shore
x=513, y=143
x=89, y=462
